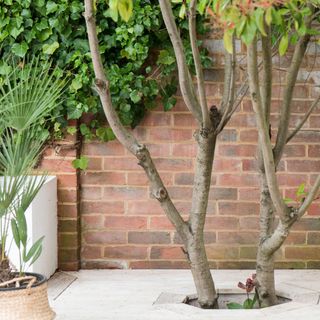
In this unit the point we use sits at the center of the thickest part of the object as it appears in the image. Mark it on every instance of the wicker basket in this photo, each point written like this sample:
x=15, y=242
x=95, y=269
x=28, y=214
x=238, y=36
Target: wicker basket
x=26, y=303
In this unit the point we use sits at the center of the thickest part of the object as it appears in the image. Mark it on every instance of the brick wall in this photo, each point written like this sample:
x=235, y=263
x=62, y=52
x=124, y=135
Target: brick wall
x=57, y=161
x=123, y=228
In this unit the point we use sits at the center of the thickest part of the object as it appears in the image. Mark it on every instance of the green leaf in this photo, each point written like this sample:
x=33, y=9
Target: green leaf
x=182, y=11
x=71, y=130
x=248, y=304
x=15, y=232
x=51, y=7
x=20, y=49
x=22, y=226
x=259, y=18
x=288, y=200
x=227, y=41
x=36, y=256
x=301, y=190
x=283, y=45
x=113, y=10
x=50, y=48
x=269, y=16
x=33, y=250
x=125, y=8
x=234, y=305
x=169, y=103
x=165, y=58
x=81, y=163
x=135, y=96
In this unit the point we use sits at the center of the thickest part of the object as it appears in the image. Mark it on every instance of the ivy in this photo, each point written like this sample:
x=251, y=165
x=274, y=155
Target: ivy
x=135, y=49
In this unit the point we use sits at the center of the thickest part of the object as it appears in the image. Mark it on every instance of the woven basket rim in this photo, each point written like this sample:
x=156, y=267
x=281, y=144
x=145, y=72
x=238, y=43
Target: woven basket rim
x=41, y=279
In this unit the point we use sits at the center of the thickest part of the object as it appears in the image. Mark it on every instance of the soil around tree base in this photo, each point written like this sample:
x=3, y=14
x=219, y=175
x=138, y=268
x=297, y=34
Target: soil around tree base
x=225, y=298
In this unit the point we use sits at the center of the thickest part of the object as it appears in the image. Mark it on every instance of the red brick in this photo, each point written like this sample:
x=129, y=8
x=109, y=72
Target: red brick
x=159, y=150
x=249, y=223
x=291, y=179
x=180, y=193
x=314, y=121
x=156, y=119
x=173, y=164
x=67, y=181
x=295, y=238
x=228, y=135
x=105, y=237
x=68, y=225
x=68, y=240
x=238, y=180
x=122, y=164
x=184, y=120
x=57, y=165
x=113, y=148
x=149, y=207
x=160, y=223
x=314, y=151
x=184, y=178
x=221, y=223
x=249, y=194
x=303, y=166
x=302, y=253
x=91, y=193
x=140, y=179
x=239, y=120
x=294, y=151
x=218, y=252
x=126, y=252
x=67, y=195
x=313, y=238
x=91, y=252
x=104, y=207
x=237, y=237
x=125, y=223
x=242, y=150
x=171, y=253
x=158, y=264
x=185, y=150
x=238, y=208
x=314, y=209
x=135, y=237
x=92, y=222
x=249, y=135
x=170, y=134
x=223, y=194
x=125, y=193
x=94, y=164
x=68, y=210
x=103, y=178
x=227, y=165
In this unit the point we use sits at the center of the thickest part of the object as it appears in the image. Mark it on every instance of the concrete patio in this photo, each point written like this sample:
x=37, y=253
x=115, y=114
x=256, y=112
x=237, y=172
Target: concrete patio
x=130, y=294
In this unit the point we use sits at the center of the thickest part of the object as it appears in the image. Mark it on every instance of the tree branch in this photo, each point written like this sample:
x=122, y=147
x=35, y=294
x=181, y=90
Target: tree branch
x=304, y=119
x=263, y=131
x=185, y=80
x=266, y=91
x=283, y=127
x=123, y=135
x=310, y=197
x=197, y=62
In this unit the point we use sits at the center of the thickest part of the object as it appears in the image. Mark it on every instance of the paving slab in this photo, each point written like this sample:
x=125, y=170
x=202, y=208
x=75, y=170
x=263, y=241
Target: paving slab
x=130, y=294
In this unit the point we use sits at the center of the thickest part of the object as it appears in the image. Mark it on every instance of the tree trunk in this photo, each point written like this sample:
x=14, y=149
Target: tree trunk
x=265, y=278
x=265, y=259
x=207, y=296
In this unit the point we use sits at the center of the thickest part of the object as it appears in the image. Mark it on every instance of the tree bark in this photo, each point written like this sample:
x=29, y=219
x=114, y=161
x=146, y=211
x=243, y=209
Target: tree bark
x=207, y=296
x=265, y=278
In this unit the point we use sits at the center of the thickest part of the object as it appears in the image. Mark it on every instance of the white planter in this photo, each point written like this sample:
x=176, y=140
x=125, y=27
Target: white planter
x=42, y=220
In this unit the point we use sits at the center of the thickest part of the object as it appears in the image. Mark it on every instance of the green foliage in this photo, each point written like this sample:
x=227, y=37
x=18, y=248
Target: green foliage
x=28, y=94
x=247, y=304
x=248, y=19
x=81, y=163
x=299, y=195
x=129, y=46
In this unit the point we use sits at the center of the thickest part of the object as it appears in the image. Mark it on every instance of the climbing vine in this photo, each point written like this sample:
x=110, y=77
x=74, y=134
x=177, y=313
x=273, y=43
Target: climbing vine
x=135, y=49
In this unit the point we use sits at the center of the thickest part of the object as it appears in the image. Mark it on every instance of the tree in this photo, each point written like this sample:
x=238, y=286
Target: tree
x=250, y=21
